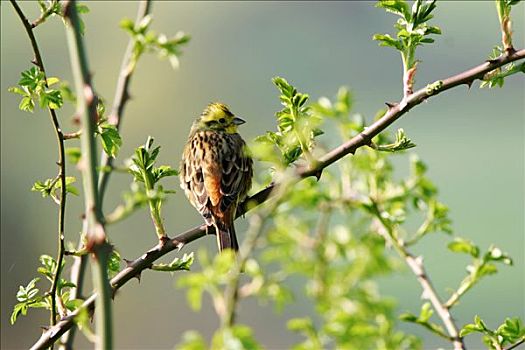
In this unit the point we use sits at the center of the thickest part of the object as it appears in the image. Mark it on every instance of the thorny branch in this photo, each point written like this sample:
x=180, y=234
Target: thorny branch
x=119, y=101
x=61, y=163
x=394, y=112
x=96, y=241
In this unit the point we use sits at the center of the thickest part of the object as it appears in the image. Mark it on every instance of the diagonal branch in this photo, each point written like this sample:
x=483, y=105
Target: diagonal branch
x=394, y=112
x=417, y=267
x=61, y=163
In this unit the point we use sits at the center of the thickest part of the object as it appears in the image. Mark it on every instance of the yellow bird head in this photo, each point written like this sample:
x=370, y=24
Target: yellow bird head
x=216, y=116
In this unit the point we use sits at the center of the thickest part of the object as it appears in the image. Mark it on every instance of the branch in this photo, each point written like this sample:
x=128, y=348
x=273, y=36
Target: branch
x=61, y=163
x=95, y=234
x=121, y=97
x=396, y=111
x=417, y=267
x=515, y=345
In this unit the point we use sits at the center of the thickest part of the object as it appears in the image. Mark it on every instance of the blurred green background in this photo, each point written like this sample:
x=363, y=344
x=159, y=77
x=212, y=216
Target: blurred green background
x=472, y=140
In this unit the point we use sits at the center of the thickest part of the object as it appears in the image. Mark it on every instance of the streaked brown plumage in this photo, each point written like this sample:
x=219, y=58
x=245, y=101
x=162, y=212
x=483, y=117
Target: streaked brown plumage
x=216, y=173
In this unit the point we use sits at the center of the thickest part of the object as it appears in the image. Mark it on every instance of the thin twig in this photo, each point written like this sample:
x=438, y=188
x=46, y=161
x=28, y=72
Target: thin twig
x=395, y=112
x=73, y=135
x=61, y=163
x=42, y=18
x=417, y=267
x=122, y=95
x=515, y=345
x=95, y=234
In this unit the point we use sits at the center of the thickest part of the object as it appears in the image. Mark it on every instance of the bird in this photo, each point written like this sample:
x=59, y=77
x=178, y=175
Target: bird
x=216, y=171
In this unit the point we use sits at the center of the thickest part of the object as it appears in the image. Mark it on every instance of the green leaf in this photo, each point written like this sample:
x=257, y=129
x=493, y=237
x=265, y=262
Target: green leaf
x=128, y=25
x=73, y=154
x=163, y=171
x=426, y=312
x=408, y=317
x=26, y=293
x=82, y=8
x=20, y=308
x=300, y=324
x=73, y=304
x=45, y=188
x=387, y=40
x=69, y=187
x=467, y=329
x=17, y=90
x=480, y=323
x=401, y=143
x=31, y=78
x=27, y=104
x=83, y=321
x=511, y=330
x=178, y=264
x=52, y=81
x=487, y=269
x=111, y=140
x=398, y=7
x=114, y=263
x=461, y=245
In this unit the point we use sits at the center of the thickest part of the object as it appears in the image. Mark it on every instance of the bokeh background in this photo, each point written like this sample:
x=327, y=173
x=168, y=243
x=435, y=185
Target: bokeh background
x=473, y=141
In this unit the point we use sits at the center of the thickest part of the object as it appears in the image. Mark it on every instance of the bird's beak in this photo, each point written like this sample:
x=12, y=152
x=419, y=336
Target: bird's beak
x=238, y=121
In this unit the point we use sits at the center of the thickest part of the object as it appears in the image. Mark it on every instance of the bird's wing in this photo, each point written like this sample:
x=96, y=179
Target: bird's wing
x=236, y=168
x=195, y=174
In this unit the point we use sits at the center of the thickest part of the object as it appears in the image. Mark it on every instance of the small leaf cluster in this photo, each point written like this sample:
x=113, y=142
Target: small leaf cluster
x=178, y=264
x=110, y=138
x=50, y=187
x=297, y=126
x=512, y=331
x=481, y=266
x=29, y=296
x=496, y=78
x=339, y=262
x=109, y=135
x=145, y=40
x=418, y=193
x=34, y=88
x=49, y=8
x=211, y=279
x=401, y=143
x=424, y=320
x=143, y=169
x=412, y=28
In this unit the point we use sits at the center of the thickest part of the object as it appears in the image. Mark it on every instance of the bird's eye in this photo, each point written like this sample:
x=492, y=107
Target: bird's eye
x=222, y=120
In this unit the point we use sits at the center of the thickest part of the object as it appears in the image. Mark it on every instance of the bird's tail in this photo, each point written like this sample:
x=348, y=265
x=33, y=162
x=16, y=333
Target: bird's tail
x=226, y=237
